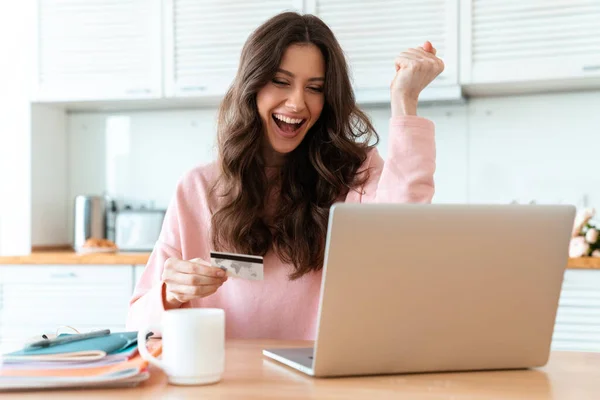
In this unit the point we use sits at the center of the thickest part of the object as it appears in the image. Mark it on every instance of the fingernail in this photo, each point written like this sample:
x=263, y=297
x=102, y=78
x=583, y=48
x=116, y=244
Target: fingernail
x=221, y=273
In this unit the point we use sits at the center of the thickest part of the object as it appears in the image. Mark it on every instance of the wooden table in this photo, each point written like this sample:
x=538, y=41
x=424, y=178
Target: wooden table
x=248, y=375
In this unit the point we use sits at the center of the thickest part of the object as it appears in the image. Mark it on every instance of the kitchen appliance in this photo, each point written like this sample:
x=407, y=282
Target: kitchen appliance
x=138, y=229
x=92, y=219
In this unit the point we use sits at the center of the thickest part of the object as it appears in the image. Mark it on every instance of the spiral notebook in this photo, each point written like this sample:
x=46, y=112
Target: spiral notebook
x=64, y=368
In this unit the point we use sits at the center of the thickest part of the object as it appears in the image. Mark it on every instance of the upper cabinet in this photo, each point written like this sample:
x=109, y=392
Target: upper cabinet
x=204, y=39
x=98, y=49
x=373, y=33
x=530, y=42
x=188, y=50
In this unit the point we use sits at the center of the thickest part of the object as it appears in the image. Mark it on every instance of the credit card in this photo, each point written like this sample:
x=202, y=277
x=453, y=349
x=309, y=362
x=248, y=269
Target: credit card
x=238, y=265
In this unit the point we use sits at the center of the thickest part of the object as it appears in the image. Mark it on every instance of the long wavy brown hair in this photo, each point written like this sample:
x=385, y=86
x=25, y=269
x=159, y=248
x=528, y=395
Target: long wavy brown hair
x=322, y=169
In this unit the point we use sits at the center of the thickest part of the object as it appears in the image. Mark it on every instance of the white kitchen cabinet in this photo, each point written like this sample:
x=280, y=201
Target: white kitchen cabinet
x=40, y=299
x=577, y=325
x=537, y=43
x=98, y=50
x=204, y=39
x=374, y=33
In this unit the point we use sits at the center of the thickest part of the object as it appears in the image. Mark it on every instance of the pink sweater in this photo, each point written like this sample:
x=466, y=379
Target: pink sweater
x=276, y=308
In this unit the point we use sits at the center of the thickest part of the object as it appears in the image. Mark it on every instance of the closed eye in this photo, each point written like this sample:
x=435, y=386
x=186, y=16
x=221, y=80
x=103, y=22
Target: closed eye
x=278, y=82
x=316, y=89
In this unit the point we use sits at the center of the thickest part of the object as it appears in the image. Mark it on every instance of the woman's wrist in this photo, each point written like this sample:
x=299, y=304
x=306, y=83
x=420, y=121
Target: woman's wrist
x=169, y=301
x=403, y=106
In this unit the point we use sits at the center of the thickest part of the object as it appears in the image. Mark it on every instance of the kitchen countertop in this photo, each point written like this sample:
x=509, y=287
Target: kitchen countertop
x=64, y=256
x=584, y=263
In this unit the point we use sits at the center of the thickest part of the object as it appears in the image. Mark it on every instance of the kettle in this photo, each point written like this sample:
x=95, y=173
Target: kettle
x=93, y=218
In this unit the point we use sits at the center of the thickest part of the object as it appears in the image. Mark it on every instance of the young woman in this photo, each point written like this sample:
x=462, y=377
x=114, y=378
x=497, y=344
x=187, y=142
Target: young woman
x=292, y=141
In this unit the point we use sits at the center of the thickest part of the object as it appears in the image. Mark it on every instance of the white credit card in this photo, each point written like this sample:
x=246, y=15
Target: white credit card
x=238, y=265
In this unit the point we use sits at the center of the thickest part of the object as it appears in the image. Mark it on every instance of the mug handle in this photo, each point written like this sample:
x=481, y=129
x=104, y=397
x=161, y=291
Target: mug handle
x=141, y=339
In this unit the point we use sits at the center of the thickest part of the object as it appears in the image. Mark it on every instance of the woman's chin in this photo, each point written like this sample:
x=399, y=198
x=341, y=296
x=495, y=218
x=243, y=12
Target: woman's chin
x=284, y=149
x=284, y=146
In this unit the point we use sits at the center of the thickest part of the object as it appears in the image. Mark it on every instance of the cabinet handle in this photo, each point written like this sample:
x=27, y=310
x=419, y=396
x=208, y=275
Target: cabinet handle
x=193, y=88
x=588, y=68
x=138, y=91
x=63, y=275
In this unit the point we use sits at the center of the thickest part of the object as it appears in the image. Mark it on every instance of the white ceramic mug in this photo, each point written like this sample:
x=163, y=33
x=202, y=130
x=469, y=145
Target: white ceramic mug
x=193, y=345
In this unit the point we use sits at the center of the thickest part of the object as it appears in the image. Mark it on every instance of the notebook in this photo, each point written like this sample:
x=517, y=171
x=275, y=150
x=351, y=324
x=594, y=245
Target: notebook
x=83, y=350
x=61, y=366
x=128, y=373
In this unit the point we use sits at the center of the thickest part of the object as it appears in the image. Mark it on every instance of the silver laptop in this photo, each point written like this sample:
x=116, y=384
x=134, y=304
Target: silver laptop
x=423, y=288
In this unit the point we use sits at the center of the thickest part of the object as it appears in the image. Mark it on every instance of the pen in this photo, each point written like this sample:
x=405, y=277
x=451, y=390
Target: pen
x=67, y=339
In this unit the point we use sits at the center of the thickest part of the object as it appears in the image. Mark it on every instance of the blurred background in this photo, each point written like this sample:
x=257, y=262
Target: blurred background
x=113, y=100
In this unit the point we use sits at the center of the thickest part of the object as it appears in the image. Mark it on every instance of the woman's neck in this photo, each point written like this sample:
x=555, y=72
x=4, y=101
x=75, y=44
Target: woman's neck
x=272, y=158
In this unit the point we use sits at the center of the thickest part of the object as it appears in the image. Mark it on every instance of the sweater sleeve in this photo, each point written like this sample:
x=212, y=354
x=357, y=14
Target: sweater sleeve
x=407, y=175
x=146, y=305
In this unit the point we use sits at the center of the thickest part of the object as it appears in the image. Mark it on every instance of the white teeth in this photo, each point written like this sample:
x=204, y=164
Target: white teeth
x=286, y=119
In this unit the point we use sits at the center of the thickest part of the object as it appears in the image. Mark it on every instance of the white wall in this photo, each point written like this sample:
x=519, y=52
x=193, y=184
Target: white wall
x=16, y=40
x=159, y=146
x=490, y=150
x=542, y=147
x=136, y=157
x=145, y=155
x=49, y=185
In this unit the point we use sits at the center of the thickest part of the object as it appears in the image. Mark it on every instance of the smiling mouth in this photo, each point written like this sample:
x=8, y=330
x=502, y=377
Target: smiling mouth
x=289, y=127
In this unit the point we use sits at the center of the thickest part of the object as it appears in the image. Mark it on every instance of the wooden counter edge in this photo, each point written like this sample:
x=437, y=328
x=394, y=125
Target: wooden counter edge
x=65, y=256
x=69, y=257
x=584, y=263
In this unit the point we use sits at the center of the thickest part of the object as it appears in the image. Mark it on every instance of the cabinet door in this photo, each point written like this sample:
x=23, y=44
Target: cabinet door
x=578, y=318
x=505, y=41
x=39, y=299
x=374, y=33
x=204, y=39
x=98, y=50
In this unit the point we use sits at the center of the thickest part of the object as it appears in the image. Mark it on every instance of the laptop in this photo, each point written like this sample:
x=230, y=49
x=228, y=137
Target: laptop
x=412, y=288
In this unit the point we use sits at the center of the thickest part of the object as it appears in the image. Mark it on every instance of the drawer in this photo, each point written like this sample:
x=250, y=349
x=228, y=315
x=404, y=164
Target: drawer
x=76, y=319
x=50, y=296
x=577, y=326
x=580, y=298
x=566, y=345
x=76, y=299
x=578, y=333
x=577, y=316
x=60, y=273
x=574, y=278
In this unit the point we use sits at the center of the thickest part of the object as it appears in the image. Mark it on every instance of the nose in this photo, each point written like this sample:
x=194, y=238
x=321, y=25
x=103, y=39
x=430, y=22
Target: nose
x=295, y=101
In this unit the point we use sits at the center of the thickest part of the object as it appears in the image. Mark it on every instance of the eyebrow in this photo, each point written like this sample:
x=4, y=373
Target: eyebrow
x=288, y=73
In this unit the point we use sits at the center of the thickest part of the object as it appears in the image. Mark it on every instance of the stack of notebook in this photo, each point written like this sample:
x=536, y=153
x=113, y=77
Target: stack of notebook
x=109, y=360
